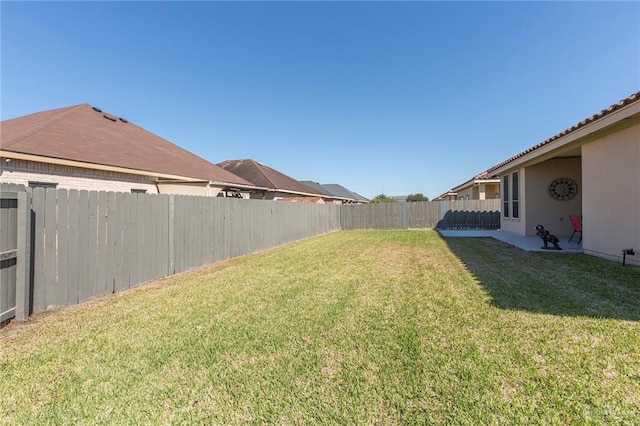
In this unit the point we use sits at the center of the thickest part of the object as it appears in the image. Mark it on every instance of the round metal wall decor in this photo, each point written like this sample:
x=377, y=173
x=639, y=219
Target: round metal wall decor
x=563, y=189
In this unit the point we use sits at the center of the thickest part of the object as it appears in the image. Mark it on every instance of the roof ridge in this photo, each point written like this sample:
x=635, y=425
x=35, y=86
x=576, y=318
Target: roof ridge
x=48, y=123
x=257, y=165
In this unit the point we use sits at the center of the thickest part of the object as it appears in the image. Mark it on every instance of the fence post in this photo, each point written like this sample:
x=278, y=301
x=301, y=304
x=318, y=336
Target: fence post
x=23, y=262
x=341, y=217
x=172, y=260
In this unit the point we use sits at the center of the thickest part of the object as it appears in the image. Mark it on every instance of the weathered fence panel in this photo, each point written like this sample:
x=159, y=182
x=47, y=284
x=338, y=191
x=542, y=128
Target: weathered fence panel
x=38, y=238
x=373, y=216
x=87, y=244
x=459, y=214
x=470, y=214
x=423, y=214
x=79, y=244
x=15, y=252
x=8, y=254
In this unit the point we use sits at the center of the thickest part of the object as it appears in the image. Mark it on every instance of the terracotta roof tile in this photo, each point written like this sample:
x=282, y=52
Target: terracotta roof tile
x=89, y=135
x=624, y=102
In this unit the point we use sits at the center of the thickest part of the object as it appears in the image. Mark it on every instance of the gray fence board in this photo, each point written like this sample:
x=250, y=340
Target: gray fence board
x=38, y=205
x=111, y=251
x=137, y=228
x=92, y=242
x=73, y=243
x=178, y=233
x=8, y=253
x=171, y=235
x=122, y=248
x=194, y=237
x=101, y=243
x=50, y=249
x=63, y=248
x=145, y=221
x=23, y=262
x=83, y=247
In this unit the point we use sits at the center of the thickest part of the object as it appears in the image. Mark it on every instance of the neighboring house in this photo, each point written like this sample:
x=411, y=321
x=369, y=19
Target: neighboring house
x=591, y=170
x=338, y=190
x=82, y=147
x=326, y=195
x=277, y=185
x=482, y=186
x=447, y=196
x=308, y=200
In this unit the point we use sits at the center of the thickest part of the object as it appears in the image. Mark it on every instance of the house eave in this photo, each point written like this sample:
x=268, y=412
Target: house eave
x=218, y=184
x=157, y=177
x=446, y=194
x=558, y=145
x=288, y=191
x=459, y=188
x=474, y=182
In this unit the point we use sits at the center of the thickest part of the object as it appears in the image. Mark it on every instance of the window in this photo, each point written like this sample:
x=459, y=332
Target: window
x=511, y=195
x=515, y=195
x=138, y=191
x=44, y=185
x=505, y=199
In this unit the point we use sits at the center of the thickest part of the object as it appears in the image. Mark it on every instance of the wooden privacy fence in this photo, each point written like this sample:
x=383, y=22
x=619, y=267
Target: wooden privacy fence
x=8, y=254
x=63, y=247
x=470, y=214
x=87, y=244
x=14, y=253
x=458, y=214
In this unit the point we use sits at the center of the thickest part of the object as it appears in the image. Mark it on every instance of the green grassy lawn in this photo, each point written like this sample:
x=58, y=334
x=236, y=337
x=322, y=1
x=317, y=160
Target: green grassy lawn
x=355, y=327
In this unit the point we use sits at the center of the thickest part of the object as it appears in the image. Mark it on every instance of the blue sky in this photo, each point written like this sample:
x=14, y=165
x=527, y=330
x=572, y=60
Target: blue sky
x=377, y=96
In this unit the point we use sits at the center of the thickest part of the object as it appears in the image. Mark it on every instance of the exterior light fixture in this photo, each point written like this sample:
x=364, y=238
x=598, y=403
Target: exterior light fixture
x=626, y=252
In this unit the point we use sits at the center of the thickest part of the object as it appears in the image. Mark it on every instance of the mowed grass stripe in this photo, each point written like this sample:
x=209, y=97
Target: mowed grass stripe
x=357, y=327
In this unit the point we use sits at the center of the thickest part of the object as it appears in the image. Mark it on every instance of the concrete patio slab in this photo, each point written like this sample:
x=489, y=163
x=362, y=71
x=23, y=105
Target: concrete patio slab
x=528, y=243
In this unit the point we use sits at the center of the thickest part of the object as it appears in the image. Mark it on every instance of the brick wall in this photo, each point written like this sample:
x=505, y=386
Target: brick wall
x=22, y=172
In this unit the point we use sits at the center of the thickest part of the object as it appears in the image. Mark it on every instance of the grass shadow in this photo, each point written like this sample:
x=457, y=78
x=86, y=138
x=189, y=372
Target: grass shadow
x=551, y=283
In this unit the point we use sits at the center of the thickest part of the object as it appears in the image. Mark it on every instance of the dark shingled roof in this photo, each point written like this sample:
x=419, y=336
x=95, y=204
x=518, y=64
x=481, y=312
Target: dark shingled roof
x=340, y=191
x=361, y=198
x=86, y=134
x=266, y=177
x=623, y=103
x=317, y=188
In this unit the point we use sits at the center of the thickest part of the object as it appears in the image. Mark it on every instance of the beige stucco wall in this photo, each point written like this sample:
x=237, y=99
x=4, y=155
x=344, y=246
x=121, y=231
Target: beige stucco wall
x=611, y=203
x=479, y=191
x=198, y=189
x=492, y=191
x=22, y=172
x=540, y=208
x=537, y=207
x=466, y=194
